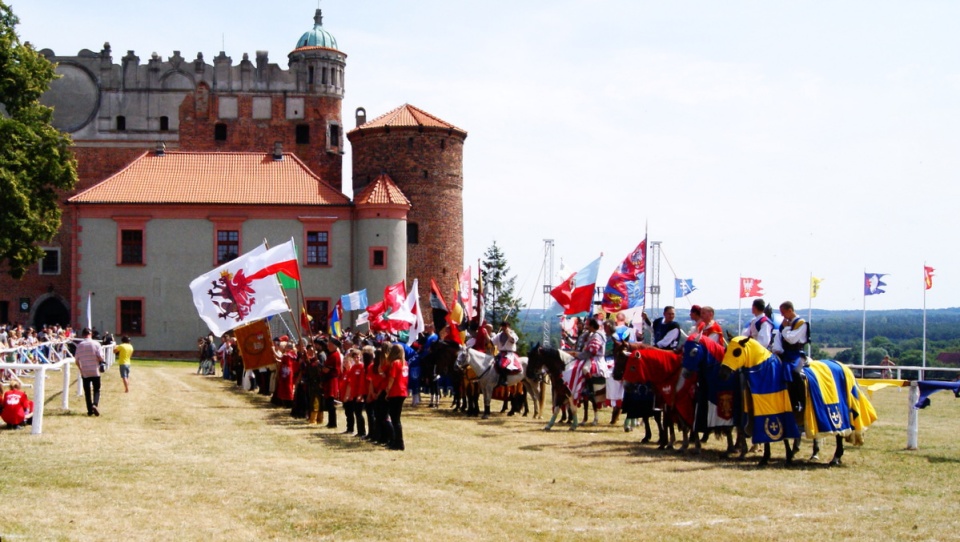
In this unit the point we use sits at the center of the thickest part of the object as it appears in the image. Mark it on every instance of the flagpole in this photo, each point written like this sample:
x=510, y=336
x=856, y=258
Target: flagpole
x=810, y=313
x=923, y=367
x=740, y=307
x=303, y=299
x=285, y=298
x=863, y=340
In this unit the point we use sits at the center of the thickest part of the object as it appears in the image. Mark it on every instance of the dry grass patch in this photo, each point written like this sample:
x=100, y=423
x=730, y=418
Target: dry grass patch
x=190, y=457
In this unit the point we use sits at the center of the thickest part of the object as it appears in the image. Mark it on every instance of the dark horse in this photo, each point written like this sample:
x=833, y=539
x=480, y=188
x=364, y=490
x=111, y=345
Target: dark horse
x=555, y=362
x=441, y=361
x=639, y=400
x=719, y=404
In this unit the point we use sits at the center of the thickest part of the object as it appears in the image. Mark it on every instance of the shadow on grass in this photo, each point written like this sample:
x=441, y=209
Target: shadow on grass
x=935, y=459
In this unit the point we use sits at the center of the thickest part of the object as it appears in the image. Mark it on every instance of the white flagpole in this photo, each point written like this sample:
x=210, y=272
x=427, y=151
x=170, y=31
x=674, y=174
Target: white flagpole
x=810, y=311
x=740, y=306
x=89, y=310
x=863, y=342
x=923, y=367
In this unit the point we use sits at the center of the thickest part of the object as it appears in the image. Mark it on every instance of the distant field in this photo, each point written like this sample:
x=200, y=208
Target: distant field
x=185, y=457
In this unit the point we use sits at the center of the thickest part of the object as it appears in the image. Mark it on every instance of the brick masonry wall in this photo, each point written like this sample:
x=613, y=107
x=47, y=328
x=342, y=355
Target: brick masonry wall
x=428, y=167
x=246, y=134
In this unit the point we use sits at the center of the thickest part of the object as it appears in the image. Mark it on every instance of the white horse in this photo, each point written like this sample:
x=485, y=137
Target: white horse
x=487, y=377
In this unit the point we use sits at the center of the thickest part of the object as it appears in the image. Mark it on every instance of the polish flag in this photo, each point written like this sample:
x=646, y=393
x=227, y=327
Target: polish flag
x=575, y=294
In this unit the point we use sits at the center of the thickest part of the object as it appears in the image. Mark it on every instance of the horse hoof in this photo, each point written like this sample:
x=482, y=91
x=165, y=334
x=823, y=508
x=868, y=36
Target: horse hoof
x=835, y=462
x=644, y=440
x=547, y=428
x=814, y=457
x=762, y=463
x=485, y=417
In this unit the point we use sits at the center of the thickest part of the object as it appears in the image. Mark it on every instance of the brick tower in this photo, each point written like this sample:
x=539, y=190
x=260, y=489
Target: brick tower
x=423, y=155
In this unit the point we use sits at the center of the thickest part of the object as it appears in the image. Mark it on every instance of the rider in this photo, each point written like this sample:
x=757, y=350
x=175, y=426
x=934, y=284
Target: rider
x=592, y=353
x=760, y=327
x=794, y=335
x=666, y=330
x=506, y=343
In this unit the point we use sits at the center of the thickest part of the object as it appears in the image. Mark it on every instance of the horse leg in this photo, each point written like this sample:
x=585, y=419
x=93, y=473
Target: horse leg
x=766, y=455
x=553, y=419
x=487, y=396
x=573, y=409
x=596, y=413
x=790, y=451
x=615, y=415
x=538, y=402
x=836, y=462
x=796, y=446
x=816, y=450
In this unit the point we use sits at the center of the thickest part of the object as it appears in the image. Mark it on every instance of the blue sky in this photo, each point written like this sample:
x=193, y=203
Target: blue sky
x=770, y=140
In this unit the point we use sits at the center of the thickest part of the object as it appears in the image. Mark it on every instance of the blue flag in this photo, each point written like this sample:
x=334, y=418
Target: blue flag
x=356, y=301
x=683, y=287
x=872, y=283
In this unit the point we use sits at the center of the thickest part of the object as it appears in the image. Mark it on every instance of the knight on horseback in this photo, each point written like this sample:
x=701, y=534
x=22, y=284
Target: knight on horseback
x=592, y=353
x=507, y=362
x=760, y=327
x=794, y=335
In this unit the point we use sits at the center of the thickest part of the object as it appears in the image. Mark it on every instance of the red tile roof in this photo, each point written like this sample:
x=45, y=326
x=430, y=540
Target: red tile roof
x=233, y=178
x=382, y=191
x=408, y=116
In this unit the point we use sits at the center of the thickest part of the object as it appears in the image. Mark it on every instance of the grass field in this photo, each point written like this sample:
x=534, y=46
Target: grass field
x=185, y=457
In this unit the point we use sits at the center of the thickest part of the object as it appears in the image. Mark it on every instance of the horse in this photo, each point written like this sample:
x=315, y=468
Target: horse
x=639, y=401
x=555, y=362
x=718, y=405
x=441, y=361
x=834, y=404
x=661, y=369
x=486, y=376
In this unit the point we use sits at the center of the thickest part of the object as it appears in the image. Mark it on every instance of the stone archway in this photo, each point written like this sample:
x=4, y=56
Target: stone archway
x=50, y=309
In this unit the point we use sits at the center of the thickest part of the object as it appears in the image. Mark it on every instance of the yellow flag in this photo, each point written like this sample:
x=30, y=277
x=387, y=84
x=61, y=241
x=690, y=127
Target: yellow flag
x=814, y=286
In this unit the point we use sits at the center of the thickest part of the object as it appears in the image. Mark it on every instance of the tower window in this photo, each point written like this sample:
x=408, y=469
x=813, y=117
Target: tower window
x=409, y=142
x=334, y=135
x=413, y=233
x=164, y=124
x=378, y=257
x=310, y=75
x=303, y=134
x=121, y=123
x=220, y=132
x=443, y=144
x=426, y=174
x=323, y=75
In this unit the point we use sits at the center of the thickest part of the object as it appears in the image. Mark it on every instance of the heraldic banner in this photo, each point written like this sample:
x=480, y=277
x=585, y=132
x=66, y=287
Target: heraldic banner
x=256, y=348
x=238, y=292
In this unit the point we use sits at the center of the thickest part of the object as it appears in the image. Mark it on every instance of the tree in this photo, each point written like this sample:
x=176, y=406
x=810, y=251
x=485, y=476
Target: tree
x=35, y=160
x=498, y=289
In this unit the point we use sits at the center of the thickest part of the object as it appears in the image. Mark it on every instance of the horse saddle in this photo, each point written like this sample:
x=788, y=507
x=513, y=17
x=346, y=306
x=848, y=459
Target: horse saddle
x=510, y=362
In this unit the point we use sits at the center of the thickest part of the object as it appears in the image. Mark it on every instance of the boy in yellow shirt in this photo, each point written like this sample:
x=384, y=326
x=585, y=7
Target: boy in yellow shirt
x=124, y=352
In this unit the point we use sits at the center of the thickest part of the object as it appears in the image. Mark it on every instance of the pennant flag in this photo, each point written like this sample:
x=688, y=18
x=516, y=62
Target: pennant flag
x=336, y=316
x=872, y=283
x=466, y=292
x=438, y=307
x=814, y=286
x=230, y=296
x=575, y=294
x=750, y=287
x=626, y=288
x=355, y=301
x=255, y=345
x=927, y=277
x=683, y=287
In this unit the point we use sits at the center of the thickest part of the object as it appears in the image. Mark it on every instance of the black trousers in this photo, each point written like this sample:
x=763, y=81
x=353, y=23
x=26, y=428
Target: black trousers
x=372, y=421
x=92, y=396
x=395, y=409
x=331, y=412
x=380, y=411
x=354, y=413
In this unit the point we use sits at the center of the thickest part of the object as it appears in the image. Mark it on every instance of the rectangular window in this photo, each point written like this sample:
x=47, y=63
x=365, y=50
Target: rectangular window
x=303, y=134
x=220, y=132
x=164, y=124
x=319, y=310
x=50, y=264
x=4, y=312
x=318, y=248
x=121, y=123
x=228, y=245
x=131, y=247
x=334, y=135
x=413, y=233
x=378, y=257
x=131, y=317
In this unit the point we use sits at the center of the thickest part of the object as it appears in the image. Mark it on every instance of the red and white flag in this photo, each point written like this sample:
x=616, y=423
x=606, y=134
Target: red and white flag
x=466, y=292
x=750, y=287
x=927, y=277
x=575, y=294
x=241, y=291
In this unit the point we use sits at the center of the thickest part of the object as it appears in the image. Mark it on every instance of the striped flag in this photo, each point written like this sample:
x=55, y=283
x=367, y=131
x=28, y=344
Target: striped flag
x=355, y=301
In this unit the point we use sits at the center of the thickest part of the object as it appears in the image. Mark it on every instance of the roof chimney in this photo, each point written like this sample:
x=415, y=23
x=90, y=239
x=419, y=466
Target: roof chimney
x=278, y=150
x=361, y=116
x=161, y=148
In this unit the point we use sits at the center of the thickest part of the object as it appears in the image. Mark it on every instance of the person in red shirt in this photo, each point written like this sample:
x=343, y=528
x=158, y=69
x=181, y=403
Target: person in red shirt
x=286, y=374
x=396, y=375
x=353, y=392
x=709, y=327
x=332, y=369
x=16, y=407
x=370, y=382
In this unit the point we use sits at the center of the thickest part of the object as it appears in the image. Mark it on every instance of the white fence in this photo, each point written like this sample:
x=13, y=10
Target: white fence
x=26, y=363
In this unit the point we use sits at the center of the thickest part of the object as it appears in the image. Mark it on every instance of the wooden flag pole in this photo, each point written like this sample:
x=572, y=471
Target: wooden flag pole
x=285, y=298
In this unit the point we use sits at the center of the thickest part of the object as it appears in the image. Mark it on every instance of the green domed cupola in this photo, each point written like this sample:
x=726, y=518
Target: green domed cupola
x=318, y=37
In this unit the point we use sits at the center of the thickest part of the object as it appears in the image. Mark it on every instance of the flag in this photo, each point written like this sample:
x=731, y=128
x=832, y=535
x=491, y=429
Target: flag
x=410, y=312
x=683, y=287
x=355, y=301
x=750, y=287
x=438, y=307
x=374, y=315
x=457, y=312
x=872, y=283
x=230, y=296
x=626, y=287
x=393, y=297
x=336, y=316
x=814, y=286
x=255, y=345
x=466, y=292
x=481, y=311
x=364, y=318
x=305, y=320
x=927, y=277
x=279, y=259
x=575, y=294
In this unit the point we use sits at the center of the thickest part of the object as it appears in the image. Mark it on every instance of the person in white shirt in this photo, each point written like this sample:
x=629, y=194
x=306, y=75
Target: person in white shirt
x=760, y=327
x=506, y=343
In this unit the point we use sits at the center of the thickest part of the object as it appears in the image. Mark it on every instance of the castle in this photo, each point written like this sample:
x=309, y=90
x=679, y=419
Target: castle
x=183, y=164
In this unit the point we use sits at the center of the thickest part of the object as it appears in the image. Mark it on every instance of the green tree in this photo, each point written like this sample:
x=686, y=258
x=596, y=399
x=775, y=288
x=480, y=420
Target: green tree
x=498, y=289
x=35, y=161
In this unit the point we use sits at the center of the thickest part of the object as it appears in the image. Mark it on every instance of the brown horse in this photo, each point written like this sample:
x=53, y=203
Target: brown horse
x=554, y=362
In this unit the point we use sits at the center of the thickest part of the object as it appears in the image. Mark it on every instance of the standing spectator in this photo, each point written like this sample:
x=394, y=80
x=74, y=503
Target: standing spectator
x=371, y=382
x=396, y=387
x=332, y=369
x=286, y=375
x=88, y=358
x=124, y=352
x=353, y=392
x=16, y=408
